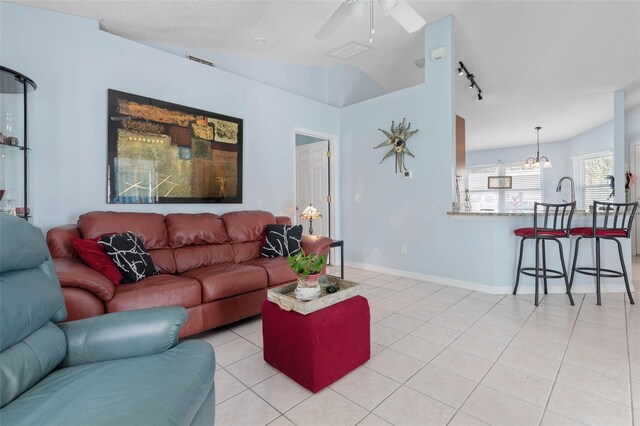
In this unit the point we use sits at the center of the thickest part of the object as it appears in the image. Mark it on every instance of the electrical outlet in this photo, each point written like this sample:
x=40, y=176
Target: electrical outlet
x=403, y=249
x=357, y=198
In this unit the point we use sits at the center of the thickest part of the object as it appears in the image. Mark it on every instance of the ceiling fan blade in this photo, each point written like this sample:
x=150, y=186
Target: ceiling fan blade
x=407, y=17
x=386, y=6
x=343, y=12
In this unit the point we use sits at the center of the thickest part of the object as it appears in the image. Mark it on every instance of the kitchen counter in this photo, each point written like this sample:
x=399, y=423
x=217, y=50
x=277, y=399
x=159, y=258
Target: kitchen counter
x=518, y=214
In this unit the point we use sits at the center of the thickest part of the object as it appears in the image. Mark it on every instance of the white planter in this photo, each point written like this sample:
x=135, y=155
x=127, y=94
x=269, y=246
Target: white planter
x=308, y=293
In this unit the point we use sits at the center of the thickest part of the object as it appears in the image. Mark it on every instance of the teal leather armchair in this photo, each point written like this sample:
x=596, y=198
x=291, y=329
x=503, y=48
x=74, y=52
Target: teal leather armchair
x=125, y=368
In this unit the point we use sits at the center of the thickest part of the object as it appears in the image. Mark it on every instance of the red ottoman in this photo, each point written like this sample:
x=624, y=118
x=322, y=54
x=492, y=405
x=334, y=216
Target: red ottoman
x=317, y=349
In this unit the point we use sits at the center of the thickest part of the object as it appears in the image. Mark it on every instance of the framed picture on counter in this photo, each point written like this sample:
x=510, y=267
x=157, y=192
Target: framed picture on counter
x=499, y=182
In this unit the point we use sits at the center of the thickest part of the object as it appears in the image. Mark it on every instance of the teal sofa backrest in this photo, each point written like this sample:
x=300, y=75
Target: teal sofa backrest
x=30, y=302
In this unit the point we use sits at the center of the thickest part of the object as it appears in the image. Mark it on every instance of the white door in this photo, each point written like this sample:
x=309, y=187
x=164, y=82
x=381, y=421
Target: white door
x=312, y=184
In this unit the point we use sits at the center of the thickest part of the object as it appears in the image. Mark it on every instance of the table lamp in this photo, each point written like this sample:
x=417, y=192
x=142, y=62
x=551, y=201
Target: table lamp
x=309, y=214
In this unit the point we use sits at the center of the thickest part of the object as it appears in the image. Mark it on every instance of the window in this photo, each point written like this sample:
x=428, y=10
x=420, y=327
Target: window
x=526, y=188
x=592, y=181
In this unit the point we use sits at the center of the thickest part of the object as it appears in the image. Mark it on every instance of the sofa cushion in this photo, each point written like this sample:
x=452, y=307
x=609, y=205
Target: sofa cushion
x=195, y=229
x=30, y=298
x=164, y=260
x=228, y=279
x=193, y=257
x=277, y=268
x=243, y=252
x=150, y=227
x=247, y=225
x=158, y=290
x=23, y=245
x=282, y=240
x=129, y=255
x=25, y=363
x=164, y=389
x=93, y=255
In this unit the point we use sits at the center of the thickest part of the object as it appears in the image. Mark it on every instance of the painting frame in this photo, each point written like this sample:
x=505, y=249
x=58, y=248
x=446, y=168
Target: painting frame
x=499, y=182
x=193, y=140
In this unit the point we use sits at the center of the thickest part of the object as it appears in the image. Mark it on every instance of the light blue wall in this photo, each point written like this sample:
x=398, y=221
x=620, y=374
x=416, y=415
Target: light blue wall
x=74, y=63
x=338, y=85
x=348, y=85
x=473, y=252
x=306, y=140
x=560, y=153
x=392, y=210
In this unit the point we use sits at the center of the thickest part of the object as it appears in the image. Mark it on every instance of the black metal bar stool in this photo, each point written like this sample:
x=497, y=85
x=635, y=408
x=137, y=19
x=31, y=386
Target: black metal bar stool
x=617, y=219
x=556, y=223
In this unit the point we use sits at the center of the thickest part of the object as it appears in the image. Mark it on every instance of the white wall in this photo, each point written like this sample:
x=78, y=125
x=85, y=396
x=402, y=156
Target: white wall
x=74, y=63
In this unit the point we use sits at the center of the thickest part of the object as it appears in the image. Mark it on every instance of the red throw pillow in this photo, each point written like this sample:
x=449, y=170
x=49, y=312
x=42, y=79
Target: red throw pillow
x=92, y=253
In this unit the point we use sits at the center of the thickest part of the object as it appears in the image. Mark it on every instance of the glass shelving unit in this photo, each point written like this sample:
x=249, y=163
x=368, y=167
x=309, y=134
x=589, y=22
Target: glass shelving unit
x=14, y=143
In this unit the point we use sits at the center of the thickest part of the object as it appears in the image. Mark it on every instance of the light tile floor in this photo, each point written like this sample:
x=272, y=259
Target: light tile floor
x=448, y=356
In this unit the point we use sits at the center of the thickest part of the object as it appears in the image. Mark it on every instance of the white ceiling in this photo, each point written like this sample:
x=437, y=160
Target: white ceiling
x=550, y=63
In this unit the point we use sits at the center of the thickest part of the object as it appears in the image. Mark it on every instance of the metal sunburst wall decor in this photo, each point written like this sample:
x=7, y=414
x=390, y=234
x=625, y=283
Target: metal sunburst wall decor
x=397, y=138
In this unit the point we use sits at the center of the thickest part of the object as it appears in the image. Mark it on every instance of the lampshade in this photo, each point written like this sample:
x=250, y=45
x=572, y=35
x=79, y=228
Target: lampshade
x=310, y=213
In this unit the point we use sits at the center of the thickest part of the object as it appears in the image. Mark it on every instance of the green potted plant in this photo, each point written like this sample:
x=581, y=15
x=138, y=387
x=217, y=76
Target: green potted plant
x=307, y=268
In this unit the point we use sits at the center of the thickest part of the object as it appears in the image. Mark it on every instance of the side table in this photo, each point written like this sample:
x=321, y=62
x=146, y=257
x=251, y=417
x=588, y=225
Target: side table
x=340, y=243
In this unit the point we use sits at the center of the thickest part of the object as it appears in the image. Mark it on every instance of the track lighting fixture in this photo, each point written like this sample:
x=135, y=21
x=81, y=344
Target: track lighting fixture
x=462, y=70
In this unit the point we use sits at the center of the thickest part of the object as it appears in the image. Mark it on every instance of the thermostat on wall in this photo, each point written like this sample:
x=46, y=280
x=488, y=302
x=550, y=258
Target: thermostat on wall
x=407, y=174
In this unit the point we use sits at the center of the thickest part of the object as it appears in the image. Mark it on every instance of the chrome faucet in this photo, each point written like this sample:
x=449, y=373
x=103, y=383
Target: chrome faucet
x=573, y=188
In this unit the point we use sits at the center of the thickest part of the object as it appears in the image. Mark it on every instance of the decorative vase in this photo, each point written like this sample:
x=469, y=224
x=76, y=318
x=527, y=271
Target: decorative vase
x=309, y=288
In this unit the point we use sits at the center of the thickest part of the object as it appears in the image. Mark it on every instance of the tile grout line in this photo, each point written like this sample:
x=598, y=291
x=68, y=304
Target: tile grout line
x=555, y=379
x=426, y=364
x=626, y=329
x=445, y=348
x=492, y=365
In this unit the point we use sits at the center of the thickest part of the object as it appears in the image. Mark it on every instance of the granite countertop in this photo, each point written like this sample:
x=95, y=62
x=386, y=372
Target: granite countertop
x=499, y=214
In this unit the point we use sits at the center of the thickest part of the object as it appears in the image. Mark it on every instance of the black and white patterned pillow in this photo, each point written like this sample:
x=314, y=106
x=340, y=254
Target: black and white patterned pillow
x=282, y=240
x=129, y=255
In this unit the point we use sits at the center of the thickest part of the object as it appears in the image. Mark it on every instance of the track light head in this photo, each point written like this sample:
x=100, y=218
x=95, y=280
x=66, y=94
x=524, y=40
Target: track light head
x=472, y=85
x=460, y=71
x=479, y=96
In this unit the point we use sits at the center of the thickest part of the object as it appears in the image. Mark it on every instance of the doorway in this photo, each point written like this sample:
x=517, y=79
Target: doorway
x=315, y=182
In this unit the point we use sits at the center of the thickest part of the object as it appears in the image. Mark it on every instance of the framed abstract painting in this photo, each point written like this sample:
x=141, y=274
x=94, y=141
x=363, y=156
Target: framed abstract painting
x=161, y=152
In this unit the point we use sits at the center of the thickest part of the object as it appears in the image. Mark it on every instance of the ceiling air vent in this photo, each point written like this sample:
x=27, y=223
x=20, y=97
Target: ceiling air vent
x=200, y=60
x=349, y=50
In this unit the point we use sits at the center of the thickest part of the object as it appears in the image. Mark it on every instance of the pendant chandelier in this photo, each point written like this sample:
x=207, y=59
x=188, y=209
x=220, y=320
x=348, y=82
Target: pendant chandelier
x=537, y=162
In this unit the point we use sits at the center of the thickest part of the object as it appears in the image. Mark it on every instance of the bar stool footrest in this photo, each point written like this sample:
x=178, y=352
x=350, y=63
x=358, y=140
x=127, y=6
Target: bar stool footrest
x=544, y=273
x=607, y=273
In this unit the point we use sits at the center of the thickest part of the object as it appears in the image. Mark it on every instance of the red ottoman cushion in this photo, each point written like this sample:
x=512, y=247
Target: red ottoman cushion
x=317, y=349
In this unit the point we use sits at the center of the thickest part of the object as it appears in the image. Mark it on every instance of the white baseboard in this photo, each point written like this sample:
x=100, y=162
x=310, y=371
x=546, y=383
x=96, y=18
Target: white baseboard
x=484, y=288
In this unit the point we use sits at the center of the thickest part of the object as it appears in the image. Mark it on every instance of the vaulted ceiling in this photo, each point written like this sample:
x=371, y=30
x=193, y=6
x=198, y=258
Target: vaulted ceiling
x=550, y=63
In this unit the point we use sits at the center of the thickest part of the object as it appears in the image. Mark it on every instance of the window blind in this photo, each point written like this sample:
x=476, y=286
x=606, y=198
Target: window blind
x=590, y=174
x=526, y=188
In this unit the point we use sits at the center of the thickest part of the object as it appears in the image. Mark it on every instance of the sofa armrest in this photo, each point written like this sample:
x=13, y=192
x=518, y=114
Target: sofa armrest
x=122, y=335
x=315, y=244
x=73, y=272
x=59, y=242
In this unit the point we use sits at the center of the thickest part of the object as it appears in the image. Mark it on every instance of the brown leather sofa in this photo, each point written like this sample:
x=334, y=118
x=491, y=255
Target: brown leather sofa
x=208, y=264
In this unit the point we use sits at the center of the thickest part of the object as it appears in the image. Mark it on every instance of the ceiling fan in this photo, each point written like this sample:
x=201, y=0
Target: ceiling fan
x=400, y=10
